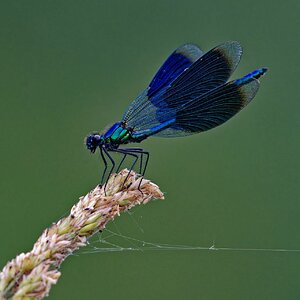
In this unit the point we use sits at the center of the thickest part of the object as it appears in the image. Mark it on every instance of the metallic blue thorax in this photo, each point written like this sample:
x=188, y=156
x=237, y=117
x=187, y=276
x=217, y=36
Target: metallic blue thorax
x=117, y=134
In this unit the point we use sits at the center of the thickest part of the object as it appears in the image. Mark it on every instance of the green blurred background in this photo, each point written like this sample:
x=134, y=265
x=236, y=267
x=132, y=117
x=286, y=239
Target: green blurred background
x=70, y=67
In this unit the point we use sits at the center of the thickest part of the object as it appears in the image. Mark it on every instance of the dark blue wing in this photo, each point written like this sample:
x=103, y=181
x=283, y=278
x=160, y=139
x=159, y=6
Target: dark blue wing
x=181, y=59
x=210, y=71
x=167, y=93
x=213, y=108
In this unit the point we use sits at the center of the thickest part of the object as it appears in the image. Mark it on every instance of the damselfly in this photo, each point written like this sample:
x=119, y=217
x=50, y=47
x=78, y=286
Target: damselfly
x=189, y=94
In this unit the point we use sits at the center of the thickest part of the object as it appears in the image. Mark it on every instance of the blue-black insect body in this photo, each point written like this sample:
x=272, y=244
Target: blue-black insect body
x=189, y=94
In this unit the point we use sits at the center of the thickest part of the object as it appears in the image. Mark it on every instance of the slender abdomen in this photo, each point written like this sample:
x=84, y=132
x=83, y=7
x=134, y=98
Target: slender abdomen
x=143, y=134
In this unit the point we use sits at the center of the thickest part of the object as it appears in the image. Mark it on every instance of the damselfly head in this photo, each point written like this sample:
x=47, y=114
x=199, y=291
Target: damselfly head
x=93, y=141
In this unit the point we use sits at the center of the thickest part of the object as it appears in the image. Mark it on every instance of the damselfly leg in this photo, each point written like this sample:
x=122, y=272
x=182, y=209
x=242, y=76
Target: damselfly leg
x=136, y=153
x=121, y=162
x=111, y=169
x=136, y=157
x=105, y=166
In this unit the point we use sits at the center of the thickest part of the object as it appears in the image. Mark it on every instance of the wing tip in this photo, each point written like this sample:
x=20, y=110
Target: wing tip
x=248, y=91
x=233, y=43
x=231, y=51
x=190, y=50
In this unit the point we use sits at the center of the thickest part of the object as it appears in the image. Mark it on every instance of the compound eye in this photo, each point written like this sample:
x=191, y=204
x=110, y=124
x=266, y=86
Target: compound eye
x=97, y=137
